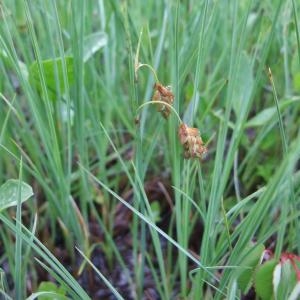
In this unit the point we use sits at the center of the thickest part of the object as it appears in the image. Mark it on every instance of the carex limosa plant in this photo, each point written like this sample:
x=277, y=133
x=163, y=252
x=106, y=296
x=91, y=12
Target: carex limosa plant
x=163, y=98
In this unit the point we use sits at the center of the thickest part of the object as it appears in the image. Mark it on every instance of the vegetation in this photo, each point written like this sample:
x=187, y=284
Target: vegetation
x=136, y=189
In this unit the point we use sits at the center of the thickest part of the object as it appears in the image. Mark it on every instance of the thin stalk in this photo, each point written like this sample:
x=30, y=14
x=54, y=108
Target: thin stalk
x=291, y=193
x=19, y=273
x=78, y=18
x=297, y=28
x=164, y=103
x=149, y=67
x=105, y=280
x=139, y=244
x=296, y=21
x=200, y=56
x=176, y=166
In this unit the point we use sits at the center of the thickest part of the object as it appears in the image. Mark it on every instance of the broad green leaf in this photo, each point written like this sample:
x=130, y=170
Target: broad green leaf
x=53, y=75
x=249, y=264
x=263, y=279
x=9, y=193
x=46, y=295
x=93, y=43
x=155, y=208
x=50, y=287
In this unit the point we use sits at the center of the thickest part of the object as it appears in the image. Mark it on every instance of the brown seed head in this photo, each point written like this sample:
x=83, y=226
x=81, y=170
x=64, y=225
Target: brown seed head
x=192, y=142
x=163, y=94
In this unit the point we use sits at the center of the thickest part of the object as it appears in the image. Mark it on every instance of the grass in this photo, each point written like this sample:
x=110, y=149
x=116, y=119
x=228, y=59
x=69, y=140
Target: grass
x=69, y=100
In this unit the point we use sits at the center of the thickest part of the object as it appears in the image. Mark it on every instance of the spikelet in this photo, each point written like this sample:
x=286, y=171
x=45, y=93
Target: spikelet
x=191, y=140
x=163, y=94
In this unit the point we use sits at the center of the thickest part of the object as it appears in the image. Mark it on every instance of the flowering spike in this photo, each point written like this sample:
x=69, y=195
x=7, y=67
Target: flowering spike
x=163, y=94
x=191, y=140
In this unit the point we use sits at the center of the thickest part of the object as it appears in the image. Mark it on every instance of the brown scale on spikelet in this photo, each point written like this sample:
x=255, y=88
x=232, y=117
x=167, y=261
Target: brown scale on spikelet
x=163, y=94
x=191, y=140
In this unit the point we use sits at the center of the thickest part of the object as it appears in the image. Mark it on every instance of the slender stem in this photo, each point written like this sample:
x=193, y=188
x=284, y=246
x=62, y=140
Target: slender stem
x=136, y=59
x=164, y=103
x=291, y=198
x=148, y=66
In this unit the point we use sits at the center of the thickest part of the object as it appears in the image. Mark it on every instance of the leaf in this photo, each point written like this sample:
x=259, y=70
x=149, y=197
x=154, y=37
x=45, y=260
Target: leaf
x=48, y=286
x=93, y=43
x=263, y=279
x=232, y=295
x=295, y=73
x=249, y=263
x=220, y=115
x=287, y=280
x=244, y=85
x=155, y=209
x=3, y=282
x=47, y=295
x=296, y=82
x=9, y=193
x=276, y=278
x=190, y=111
x=295, y=293
x=266, y=115
x=8, y=62
x=262, y=117
x=53, y=75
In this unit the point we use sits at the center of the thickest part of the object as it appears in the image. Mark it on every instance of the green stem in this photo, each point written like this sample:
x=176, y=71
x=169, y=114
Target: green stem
x=148, y=66
x=164, y=103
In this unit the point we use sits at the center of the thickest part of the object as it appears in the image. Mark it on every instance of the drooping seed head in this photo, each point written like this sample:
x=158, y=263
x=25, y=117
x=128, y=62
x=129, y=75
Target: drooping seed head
x=192, y=142
x=163, y=94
